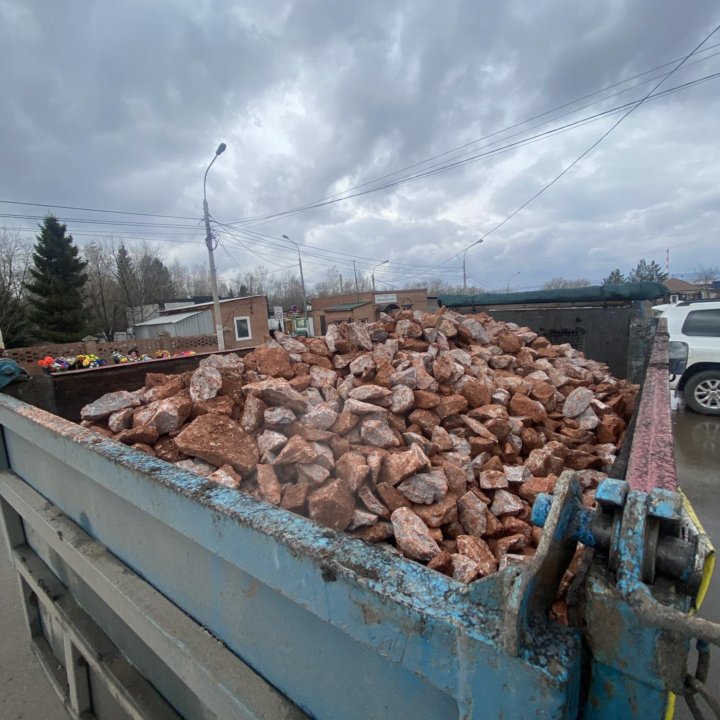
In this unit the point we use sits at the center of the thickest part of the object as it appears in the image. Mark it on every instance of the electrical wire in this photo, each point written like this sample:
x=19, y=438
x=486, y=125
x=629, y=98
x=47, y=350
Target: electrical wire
x=586, y=152
x=313, y=251
x=97, y=210
x=346, y=194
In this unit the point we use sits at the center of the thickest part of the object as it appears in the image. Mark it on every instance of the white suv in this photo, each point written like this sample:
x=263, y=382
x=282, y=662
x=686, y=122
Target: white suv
x=694, y=329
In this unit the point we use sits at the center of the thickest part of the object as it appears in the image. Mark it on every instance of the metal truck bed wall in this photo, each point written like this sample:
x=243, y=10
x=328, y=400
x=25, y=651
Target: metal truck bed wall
x=344, y=629
x=151, y=594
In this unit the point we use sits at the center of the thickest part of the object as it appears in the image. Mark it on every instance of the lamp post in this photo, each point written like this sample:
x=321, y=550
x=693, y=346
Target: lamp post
x=507, y=289
x=209, y=242
x=373, y=272
x=477, y=242
x=302, y=282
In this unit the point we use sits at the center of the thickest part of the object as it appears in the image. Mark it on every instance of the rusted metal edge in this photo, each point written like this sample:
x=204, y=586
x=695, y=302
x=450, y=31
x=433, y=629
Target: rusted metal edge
x=652, y=454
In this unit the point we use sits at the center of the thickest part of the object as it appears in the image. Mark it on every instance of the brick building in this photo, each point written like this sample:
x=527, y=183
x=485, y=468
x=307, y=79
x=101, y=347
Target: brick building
x=364, y=306
x=244, y=319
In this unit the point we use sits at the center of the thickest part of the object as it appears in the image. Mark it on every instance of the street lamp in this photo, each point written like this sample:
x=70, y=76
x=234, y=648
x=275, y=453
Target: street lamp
x=302, y=281
x=477, y=242
x=507, y=289
x=208, y=241
x=373, y=272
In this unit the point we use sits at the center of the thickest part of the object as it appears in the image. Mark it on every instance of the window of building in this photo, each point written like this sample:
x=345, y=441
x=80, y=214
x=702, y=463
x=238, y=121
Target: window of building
x=242, y=328
x=704, y=323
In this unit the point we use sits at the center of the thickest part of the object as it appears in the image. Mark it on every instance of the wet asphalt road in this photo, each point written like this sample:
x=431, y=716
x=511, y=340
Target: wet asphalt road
x=697, y=458
x=26, y=694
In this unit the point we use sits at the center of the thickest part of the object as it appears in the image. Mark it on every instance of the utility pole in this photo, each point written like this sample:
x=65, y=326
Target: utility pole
x=341, y=285
x=357, y=290
x=302, y=282
x=211, y=257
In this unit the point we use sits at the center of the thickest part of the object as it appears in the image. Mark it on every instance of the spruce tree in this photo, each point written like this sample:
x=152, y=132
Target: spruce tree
x=614, y=278
x=56, y=287
x=645, y=271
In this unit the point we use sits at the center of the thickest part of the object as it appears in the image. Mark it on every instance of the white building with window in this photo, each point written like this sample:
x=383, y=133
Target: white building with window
x=244, y=321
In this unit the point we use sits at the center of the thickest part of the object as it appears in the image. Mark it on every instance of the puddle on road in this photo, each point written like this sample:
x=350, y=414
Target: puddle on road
x=697, y=446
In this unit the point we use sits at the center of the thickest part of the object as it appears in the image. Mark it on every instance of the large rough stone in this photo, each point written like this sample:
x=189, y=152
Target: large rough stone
x=166, y=415
x=472, y=513
x=353, y=468
x=398, y=466
x=372, y=394
x=173, y=385
x=322, y=377
x=332, y=505
x=464, y=569
x=413, y=536
x=277, y=392
x=278, y=417
x=378, y=434
x=425, y=488
x=471, y=330
x=577, y=402
x=226, y=476
x=120, y=420
x=358, y=407
x=205, y=383
x=527, y=407
x=505, y=503
x=199, y=467
x=492, y=480
x=312, y=474
x=478, y=551
x=271, y=441
x=322, y=416
x=275, y=362
x=253, y=414
x=268, y=484
x=297, y=450
x=146, y=434
x=219, y=441
x=109, y=403
x=289, y=344
x=372, y=504
x=402, y=400
x=220, y=405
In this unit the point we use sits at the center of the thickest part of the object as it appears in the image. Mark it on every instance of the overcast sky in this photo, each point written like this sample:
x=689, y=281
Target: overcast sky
x=120, y=105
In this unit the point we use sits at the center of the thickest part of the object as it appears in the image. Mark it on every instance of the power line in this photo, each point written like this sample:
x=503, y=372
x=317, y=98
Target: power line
x=496, y=151
x=117, y=223
x=97, y=210
x=312, y=251
x=336, y=196
x=552, y=182
x=382, y=177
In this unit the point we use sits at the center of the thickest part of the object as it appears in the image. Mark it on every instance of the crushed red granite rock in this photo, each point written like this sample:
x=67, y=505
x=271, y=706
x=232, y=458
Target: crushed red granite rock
x=430, y=434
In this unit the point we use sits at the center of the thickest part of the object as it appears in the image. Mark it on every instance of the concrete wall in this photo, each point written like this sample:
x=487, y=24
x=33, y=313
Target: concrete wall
x=602, y=333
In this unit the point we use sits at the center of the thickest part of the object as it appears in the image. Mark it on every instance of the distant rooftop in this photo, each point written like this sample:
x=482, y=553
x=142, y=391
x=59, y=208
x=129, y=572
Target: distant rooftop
x=170, y=319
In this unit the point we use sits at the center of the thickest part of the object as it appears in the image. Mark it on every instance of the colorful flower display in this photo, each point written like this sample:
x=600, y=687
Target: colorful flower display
x=86, y=362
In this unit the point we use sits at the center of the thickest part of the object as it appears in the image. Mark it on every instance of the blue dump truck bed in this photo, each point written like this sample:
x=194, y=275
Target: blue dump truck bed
x=150, y=593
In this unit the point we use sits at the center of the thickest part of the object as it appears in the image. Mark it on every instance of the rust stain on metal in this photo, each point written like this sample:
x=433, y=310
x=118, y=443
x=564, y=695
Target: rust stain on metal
x=652, y=458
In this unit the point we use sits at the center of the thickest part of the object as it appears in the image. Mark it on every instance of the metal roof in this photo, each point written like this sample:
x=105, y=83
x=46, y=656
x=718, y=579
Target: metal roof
x=171, y=319
x=342, y=307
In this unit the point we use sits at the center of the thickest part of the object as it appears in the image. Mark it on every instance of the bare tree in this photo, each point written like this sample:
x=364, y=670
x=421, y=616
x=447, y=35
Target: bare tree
x=560, y=283
x=15, y=256
x=706, y=275
x=104, y=293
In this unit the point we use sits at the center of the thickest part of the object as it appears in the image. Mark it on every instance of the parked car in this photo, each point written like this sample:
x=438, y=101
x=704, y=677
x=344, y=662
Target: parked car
x=694, y=329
